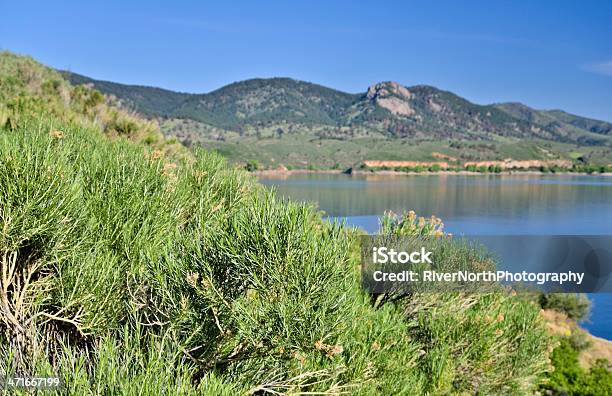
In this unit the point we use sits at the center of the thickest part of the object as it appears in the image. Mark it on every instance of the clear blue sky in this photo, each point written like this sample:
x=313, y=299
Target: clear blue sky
x=547, y=54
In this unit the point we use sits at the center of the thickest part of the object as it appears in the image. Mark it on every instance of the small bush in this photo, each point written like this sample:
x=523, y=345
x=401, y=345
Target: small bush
x=500, y=354
x=575, y=306
x=252, y=166
x=579, y=340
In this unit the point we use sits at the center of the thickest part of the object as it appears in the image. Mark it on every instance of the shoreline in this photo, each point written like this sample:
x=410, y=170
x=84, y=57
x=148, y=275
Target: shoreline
x=283, y=172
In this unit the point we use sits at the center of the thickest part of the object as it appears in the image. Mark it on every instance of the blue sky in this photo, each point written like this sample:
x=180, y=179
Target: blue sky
x=547, y=54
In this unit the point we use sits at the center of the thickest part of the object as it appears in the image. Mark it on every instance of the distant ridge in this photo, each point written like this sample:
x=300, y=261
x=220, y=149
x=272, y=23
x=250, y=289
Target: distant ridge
x=387, y=109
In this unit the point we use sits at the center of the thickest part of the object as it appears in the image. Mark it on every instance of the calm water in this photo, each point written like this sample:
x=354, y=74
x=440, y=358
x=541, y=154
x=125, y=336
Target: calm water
x=471, y=205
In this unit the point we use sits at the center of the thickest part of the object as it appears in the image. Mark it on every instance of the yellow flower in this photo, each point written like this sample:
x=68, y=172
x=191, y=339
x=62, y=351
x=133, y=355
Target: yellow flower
x=169, y=168
x=335, y=350
x=299, y=357
x=192, y=278
x=57, y=134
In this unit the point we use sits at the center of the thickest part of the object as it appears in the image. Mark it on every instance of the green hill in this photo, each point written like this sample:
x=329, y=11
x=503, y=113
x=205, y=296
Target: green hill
x=386, y=107
x=262, y=101
x=281, y=121
x=146, y=100
x=566, y=125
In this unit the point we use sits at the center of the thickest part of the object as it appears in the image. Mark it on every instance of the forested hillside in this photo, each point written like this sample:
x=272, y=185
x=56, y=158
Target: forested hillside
x=285, y=122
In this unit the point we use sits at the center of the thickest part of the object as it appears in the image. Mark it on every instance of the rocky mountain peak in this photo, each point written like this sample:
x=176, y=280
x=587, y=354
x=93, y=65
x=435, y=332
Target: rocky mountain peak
x=388, y=88
x=391, y=96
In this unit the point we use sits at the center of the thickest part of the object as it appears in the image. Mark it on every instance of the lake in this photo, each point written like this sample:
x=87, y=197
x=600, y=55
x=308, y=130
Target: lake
x=470, y=205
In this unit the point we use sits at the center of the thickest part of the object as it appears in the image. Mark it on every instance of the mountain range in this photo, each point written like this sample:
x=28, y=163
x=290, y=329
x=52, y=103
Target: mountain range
x=278, y=108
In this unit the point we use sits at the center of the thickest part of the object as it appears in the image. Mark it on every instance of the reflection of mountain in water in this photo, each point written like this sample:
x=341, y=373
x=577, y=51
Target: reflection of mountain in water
x=577, y=201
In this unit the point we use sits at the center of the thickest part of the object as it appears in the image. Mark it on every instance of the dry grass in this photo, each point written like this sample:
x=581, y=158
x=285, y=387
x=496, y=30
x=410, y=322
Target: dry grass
x=559, y=324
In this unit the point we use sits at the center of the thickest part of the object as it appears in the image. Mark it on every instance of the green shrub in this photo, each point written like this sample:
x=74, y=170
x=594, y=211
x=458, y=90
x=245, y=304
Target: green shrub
x=502, y=356
x=260, y=291
x=31, y=91
x=575, y=306
x=569, y=378
x=579, y=340
x=251, y=166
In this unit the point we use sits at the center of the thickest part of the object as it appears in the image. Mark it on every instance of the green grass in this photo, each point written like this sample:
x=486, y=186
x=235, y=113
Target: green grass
x=303, y=151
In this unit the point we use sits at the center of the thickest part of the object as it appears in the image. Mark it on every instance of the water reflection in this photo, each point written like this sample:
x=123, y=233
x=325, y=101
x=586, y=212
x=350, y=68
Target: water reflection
x=479, y=204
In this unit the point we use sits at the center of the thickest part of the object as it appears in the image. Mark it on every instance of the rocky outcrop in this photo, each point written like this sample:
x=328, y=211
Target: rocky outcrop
x=507, y=164
x=518, y=164
x=404, y=164
x=437, y=155
x=391, y=96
